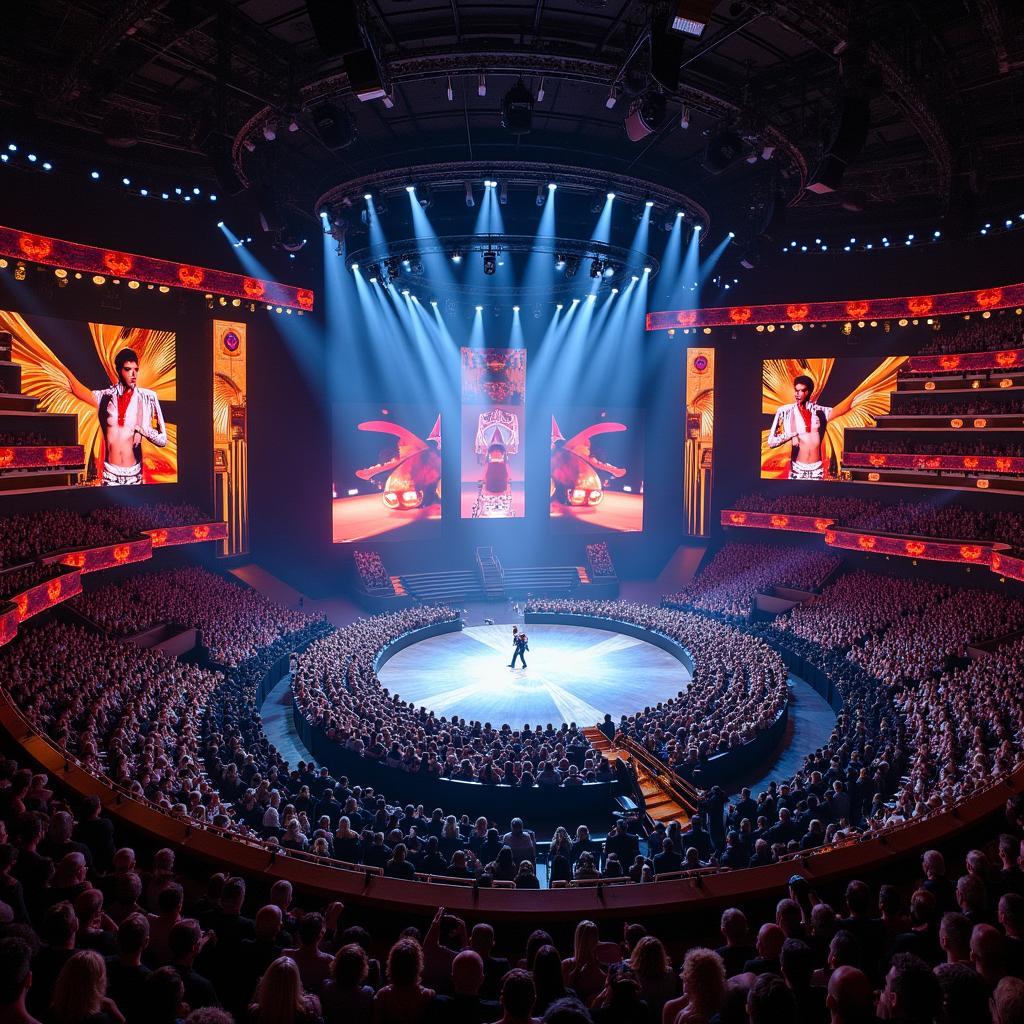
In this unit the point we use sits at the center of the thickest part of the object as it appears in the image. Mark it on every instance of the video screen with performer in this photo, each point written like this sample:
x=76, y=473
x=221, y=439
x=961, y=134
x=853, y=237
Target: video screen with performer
x=98, y=400
x=492, y=433
x=386, y=470
x=813, y=407
x=597, y=470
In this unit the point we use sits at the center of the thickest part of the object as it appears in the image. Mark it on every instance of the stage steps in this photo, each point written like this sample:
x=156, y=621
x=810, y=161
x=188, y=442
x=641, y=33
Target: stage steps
x=660, y=803
x=442, y=586
x=584, y=576
x=492, y=577
x=397, y=587
x=552, y=579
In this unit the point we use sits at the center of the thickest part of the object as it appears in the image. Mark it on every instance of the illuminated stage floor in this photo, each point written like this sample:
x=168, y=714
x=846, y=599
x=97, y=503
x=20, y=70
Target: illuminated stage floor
x=575, y=674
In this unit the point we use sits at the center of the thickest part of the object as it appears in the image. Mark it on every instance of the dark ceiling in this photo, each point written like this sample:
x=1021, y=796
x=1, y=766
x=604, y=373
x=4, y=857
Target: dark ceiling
x=186, y=87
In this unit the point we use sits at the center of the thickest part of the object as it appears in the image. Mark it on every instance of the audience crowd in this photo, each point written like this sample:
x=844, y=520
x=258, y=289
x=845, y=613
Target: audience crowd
x=977, y=403
x=17, y=581
x=599, y=560
x=25, y=537
x=730, y=582
x=867, y=441
x=974, y=336
x=371, y=570
x=235, y=621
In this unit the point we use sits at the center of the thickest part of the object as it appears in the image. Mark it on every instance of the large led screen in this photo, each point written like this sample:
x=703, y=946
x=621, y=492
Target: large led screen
x=809, y=405
x=597, y=468
x=492, y=433
x=387, y=471
x=109, y=388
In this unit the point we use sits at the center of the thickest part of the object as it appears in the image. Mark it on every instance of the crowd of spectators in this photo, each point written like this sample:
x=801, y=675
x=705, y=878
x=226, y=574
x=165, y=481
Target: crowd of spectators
x=337, y=689
x=868, y=441
x=93, y=933
x=730, y=582
x=370, y=567
x=974, y=336
x=25, y=537
x=22, y=438
x=235, y=621
x=977, y=403
x=599, y=561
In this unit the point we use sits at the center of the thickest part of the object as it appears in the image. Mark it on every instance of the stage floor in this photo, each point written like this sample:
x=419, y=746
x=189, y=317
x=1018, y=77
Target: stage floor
x=575, y=674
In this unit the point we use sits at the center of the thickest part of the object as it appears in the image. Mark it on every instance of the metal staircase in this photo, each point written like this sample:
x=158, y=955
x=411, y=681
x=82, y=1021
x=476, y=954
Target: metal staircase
x=492, y=578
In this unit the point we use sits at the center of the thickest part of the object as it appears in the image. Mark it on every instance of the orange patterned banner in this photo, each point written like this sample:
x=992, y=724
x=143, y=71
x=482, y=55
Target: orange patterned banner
x=8, y=623
x=170, y=536
x=42, y=457
x=45, y=595
x=107, y=556
x=973, y=301
x=970, y=553
x=968, y=463
x=775, y=521
x=1007, y=359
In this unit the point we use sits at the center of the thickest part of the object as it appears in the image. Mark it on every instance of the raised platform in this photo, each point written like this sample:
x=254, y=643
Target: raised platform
x=575, y=674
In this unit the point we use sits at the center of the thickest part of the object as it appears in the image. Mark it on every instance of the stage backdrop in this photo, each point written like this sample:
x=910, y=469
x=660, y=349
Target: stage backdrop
x=69, y=366
x=493, y=433
x=387, y=472
x=597, y=468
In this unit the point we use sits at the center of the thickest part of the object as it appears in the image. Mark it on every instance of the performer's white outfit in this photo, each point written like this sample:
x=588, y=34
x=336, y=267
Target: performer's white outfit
x=142, y=411
x=787, y=424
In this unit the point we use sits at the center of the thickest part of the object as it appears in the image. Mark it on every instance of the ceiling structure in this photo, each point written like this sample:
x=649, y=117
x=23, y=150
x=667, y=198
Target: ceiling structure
x=235, y=93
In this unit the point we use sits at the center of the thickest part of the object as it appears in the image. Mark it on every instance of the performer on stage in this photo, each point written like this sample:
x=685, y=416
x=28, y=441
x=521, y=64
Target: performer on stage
x=802, y=424
x=521, y=645
x=127, y=415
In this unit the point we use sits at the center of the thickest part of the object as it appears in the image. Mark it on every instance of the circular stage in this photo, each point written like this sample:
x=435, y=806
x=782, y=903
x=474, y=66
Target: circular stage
x=574, y=674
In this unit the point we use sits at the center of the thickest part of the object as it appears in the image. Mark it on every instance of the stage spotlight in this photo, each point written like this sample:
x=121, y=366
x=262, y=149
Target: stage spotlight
x=488, y=183
x=354, y=267
x=559, y=261
x=646, y=114
x=691, y=17
x=410, y=189
x=490, y=262
x=250, y=146
x=479, y=309
x=470, y=200
x=684, y=117
x=515, y=309
x=393, y=267
x=368, y=196
x=456, y=257
x=572, y=264
x=596, y=267
x=517, y=110
x=613, y=98
x=540, y=195
x=649, y=203
x=610, y=195
x=609, y=270
x=270, y=130
x=95, y=175
x=481, y=84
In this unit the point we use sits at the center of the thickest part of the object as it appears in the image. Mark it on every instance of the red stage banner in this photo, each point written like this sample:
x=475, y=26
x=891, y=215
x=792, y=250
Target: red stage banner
x=961, y=463
x=1010, y=565
x=904, y=307
x=775, y=521
x=8, y=623
x=41, y=457
x=45, y=595
x=1007, y=359
x=168, y=536
x=968, y=552
x=107, y=556
x=88, y=259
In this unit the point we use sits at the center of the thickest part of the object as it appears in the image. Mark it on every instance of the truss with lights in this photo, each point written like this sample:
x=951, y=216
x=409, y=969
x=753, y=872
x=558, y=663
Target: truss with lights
x=982, y=301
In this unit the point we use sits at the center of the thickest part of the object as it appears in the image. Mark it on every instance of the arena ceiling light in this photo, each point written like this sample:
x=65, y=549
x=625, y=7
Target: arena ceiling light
x=517, y=110
x=490, y=262
x=691, y=17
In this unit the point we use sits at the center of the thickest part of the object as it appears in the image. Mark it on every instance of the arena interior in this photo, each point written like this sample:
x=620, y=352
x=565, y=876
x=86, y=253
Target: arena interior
x=600, y=597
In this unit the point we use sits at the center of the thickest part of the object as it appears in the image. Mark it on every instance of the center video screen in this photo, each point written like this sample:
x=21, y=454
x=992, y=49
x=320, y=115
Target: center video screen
x=492, y=433
x=387, y=471
x=809, y=404
x=597, y=468
x=99, y=400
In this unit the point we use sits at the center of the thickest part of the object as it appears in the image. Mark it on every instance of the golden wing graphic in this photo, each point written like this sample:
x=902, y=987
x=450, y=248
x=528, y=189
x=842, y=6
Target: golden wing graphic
x=225, y=394
x=155, y=349
x=871, y=399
